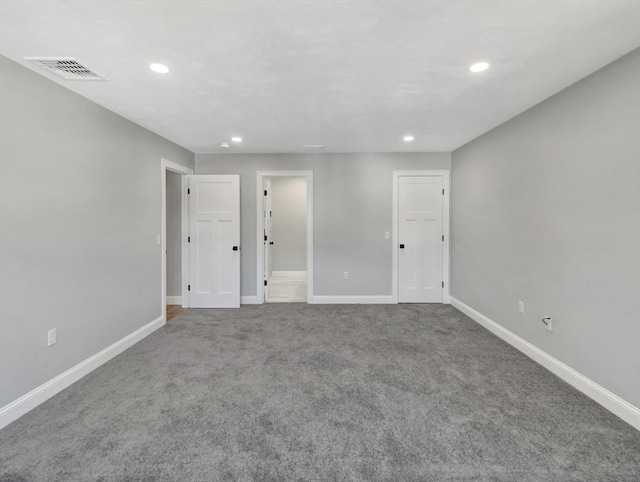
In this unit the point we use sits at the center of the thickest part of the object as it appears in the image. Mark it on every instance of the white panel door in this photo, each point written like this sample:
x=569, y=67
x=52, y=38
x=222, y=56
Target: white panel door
x=214, y=241
x=268, y=240
x=420, y=238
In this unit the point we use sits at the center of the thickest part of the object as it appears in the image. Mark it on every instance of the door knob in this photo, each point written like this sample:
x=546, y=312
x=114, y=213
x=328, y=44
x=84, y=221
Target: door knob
x=270, y=242
x=235, y=248
x=402, y=246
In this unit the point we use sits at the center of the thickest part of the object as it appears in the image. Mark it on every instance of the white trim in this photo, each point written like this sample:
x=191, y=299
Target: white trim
x=166, y=165
x=249, y=300
x=35, y=397
x=260, y=177
x=289, y=274
x=353, y=300
x=612, y=402
x=174, y=300
x=185, y=246
x=446, y=292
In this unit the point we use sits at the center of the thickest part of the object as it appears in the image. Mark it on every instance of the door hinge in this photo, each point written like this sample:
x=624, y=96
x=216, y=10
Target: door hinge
x=188, y=287
x=443, y=238
x=188, y=190
x=443, y=284
x=188, y=239
x=443, y=192
x=265, y=282
x=265, y=192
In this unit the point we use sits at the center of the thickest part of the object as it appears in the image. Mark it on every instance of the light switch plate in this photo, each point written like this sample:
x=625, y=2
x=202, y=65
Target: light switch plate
x=51, y=337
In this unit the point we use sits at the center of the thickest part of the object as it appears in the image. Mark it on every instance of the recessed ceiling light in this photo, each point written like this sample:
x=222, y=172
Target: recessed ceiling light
x=407, y=138
x=236, y=139
x=479, y=67
x=159, y=68
x=224, y=145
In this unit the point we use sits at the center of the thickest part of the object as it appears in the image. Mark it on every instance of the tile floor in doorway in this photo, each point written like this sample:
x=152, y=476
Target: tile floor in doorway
x=288, y=287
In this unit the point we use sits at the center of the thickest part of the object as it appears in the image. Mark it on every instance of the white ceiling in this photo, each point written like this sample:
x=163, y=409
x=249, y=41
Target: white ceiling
x=354, y=76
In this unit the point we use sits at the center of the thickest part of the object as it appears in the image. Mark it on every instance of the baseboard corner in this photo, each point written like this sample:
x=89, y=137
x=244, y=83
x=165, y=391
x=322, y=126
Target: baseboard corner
x=609, y=400
x=19, y=407
x=249, y=300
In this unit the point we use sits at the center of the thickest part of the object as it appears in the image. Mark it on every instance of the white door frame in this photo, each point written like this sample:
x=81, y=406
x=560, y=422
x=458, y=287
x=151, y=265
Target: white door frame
x=260, y=176
x=167, y=165
x=446, y=292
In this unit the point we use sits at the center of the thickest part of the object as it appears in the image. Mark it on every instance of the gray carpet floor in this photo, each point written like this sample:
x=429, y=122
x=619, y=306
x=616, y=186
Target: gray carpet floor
x=320, y=393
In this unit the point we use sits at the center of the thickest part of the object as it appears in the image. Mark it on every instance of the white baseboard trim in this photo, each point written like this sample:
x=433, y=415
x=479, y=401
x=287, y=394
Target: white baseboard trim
x=612, y=402
x=35, y=397
x=353, y=300
x=174, y=300
x=249, y=300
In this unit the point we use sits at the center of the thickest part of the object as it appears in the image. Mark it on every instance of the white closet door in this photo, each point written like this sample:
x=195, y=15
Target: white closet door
x=214, y=245
x=420, y=239
x=268, y=240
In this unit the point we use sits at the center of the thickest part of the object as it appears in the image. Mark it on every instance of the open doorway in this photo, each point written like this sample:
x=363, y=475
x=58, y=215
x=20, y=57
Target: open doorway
x=285, y=245
x=286, y=240
x=173, y=238
x=173, y=251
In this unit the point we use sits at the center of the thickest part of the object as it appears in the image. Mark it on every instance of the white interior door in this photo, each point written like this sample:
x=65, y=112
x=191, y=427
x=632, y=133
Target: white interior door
x=268, y=240
x=420, y=239
x=214, y=241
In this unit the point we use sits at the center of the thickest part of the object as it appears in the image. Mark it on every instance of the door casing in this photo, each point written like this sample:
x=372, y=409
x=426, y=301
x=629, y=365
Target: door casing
x=446, y=293
x=167, y=165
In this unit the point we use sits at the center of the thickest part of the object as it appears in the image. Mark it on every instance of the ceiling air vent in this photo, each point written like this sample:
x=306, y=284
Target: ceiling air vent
x=313, y=148
x=66, y=67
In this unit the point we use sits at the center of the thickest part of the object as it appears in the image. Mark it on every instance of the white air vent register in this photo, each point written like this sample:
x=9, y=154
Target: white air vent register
x=317, y=148
x=66, y=67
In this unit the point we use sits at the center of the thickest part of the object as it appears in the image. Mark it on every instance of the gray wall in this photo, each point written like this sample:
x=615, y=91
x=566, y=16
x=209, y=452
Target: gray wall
x=289, y=223
x=80, y=198
x=174, y=234
x=352, y=210
x=546, y=209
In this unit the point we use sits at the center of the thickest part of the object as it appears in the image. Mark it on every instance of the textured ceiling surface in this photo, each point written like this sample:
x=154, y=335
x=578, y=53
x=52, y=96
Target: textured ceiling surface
x=354, y=76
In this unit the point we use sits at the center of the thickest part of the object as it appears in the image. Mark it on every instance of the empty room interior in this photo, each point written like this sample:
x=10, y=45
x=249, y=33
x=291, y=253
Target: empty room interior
x=320, y=240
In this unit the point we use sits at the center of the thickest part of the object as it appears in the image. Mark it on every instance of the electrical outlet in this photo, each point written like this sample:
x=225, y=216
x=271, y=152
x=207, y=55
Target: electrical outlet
x=345, y=275
x=51, y=337
x=548, y=323
x=521, y=307
x=387, y=235
x=158, y=240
